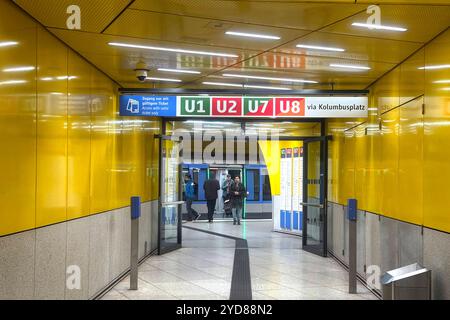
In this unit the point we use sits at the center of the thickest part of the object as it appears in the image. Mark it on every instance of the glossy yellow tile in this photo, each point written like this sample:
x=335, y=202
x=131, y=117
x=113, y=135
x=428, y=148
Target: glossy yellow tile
x=17, y=127
x=79, y=137
x=390, y=157
x=436, y=141
x=410, y=166
x=102, y=155
x=51, y=166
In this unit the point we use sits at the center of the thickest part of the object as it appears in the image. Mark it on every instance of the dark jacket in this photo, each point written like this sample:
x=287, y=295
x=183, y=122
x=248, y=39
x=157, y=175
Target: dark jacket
x=211, y=186
x=226, y=188
x=238, y=199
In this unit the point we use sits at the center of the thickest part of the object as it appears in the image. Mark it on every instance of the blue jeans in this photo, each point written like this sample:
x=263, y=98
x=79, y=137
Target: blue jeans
x=237, y=214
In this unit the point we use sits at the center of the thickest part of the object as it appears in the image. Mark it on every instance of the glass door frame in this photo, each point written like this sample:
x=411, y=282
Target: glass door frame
x=162, y=249
x=319, y=249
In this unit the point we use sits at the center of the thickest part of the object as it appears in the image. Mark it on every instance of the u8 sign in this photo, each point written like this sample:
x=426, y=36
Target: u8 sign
x=289, y=107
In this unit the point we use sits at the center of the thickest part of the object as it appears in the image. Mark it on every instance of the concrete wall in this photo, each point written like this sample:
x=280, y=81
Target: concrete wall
x=389, y=244
x=33, y=264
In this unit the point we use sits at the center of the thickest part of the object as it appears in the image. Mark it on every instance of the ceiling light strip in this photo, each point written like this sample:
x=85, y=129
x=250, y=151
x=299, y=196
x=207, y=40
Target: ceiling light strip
x=267, y=78
x=252, y=35
x=8, y=43
x=349, y=66
x=19, y=69
x=378, y=27
x=435, y=67
x=163, y=79
x=126, y=45
x=178, y=71
x=306, y=46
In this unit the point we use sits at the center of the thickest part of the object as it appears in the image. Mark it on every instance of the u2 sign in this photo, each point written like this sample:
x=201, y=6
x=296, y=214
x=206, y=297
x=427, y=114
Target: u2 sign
x=243, y=106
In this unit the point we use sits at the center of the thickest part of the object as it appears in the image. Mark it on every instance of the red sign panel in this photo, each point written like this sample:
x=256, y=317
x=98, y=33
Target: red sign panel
x=227, y=106
x=290, y=107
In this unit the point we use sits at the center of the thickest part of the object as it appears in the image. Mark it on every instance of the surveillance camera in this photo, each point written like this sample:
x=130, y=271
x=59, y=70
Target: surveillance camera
x=141, y=71
x=141, y=74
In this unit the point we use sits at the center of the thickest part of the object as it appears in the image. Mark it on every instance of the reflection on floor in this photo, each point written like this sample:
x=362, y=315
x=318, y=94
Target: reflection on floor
x=203, y=268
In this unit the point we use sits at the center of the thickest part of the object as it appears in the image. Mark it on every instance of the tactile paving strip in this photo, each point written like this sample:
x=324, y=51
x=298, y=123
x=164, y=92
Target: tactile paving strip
x=241, y=284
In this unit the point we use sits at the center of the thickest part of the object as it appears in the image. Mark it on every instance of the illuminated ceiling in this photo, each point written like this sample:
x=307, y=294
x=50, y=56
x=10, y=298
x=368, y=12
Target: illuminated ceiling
x=201, y=25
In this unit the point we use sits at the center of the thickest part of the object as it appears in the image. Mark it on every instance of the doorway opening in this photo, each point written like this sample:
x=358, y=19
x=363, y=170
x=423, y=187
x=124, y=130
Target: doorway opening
x=282, y=165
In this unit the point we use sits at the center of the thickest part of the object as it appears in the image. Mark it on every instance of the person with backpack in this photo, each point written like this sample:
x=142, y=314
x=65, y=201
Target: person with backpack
x=226, y=196
x=238, y=194
x=190, y=195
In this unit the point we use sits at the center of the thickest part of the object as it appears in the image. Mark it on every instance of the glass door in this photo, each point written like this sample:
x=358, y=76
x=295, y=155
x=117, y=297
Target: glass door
x=171, y=193
x=314, y=195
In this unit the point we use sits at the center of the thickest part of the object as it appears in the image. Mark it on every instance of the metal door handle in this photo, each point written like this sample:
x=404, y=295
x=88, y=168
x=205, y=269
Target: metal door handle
x=173, y=203
x=316, y=205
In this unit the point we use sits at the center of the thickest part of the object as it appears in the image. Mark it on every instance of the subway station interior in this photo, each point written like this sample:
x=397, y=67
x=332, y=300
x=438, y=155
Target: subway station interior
x=224, y=150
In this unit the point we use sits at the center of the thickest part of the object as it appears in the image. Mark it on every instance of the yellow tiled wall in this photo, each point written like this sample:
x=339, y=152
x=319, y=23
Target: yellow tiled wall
x=65, y=152
x=397, y=163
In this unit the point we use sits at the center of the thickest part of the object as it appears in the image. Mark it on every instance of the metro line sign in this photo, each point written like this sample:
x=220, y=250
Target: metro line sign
x=244, y=106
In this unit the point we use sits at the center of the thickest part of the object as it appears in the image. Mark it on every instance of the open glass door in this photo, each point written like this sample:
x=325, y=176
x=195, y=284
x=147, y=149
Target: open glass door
x=314, y=196
x=170, y=203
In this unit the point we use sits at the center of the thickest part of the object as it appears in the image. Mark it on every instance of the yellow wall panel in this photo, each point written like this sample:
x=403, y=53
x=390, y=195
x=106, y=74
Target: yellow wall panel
x=79, y=137
x=51, y=190
x=66, y=151
x=387, y=91
x=101, y=143
x=360, y=165
x=412, y=79
x=410, y=181
x=436, y=136
x=17, y=126
x=155, y=164
x=271, y=151
x=389, y=154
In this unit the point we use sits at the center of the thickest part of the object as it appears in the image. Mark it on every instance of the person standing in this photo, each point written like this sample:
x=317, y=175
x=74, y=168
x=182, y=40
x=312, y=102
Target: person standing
x=189, y=194
x=226, y=195
x=211, y=187
x=238, y=193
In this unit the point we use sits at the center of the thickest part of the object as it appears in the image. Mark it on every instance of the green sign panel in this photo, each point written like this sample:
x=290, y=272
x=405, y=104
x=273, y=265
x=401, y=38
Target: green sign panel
x=259, y=106
x=195, y=106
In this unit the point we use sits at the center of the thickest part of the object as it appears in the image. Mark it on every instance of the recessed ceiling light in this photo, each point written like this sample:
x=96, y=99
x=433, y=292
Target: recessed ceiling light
x=12, y=82
x=378, y=27
x=349, y=66
x=252, y=35
x=442, y=81
x=64, y=78
x=209, y=122
x=47, y=79
x=264, y=87
x=178, y=71
x=306, y=46
x=163, y=79
x=267, y=78
x=223, y=84
x=446, y=89
x=206, y=53
x=8, y=43
x=19, y=69
x=435, y=67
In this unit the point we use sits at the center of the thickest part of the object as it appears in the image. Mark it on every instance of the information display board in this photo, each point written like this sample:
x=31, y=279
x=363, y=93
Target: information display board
x=243, y=106
x=283, y=189
x=288, y=183
x=287, y=208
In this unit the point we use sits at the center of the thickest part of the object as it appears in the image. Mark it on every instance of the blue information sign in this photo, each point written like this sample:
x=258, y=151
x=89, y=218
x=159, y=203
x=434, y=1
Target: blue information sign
x=154, y=106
